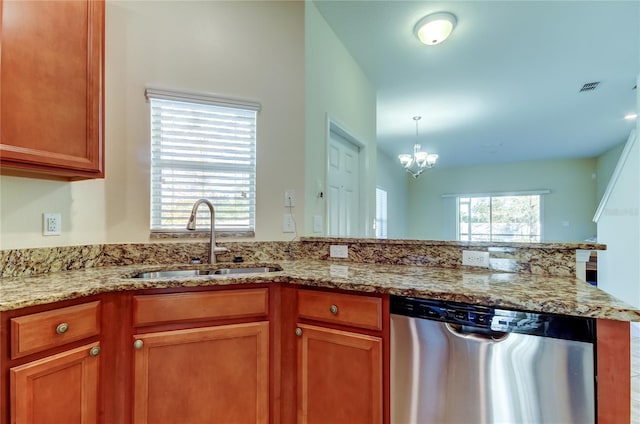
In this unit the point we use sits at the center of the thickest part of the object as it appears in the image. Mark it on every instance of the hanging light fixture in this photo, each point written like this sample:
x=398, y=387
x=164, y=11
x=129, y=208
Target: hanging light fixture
x=416, y=163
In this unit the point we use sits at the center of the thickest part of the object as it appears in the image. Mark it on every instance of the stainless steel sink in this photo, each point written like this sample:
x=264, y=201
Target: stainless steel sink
x=181, y=273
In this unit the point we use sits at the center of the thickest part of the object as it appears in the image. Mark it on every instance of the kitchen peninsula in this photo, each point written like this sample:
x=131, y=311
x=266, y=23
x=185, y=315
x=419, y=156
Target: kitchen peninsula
x=117, y=310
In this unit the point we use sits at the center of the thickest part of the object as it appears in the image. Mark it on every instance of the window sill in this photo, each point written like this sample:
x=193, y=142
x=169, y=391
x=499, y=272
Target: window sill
x=157, y=235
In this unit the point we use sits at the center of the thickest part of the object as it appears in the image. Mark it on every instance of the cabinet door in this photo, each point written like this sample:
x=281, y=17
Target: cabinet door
x=61, y=388
x=204, y=375
x=51, y=86
x=339, y=377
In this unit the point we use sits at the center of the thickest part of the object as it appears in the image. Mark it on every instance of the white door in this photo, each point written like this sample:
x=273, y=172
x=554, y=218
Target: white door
x=343, y=187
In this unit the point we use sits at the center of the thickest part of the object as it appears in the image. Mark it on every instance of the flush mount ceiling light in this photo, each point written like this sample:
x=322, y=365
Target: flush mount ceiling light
x=630, y=116
x=435, y=28
x=416, y=163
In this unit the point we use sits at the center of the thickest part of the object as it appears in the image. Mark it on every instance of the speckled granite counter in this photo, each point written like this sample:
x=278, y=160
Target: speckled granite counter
x=529, y=258
x=551, y=294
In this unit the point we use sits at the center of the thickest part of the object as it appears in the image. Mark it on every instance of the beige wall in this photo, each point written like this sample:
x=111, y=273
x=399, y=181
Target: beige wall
x=237, y=48
x=336, y=87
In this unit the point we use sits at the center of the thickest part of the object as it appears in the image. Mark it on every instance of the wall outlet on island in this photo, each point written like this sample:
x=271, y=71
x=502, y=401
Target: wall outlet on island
x=475, y=258
x=338, y=251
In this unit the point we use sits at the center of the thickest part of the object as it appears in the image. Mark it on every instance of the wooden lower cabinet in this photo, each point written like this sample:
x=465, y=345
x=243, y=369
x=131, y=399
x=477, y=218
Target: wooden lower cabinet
x=61, y=388
x=283, y=355
x=614, y=372
x=339, y=376
x=216, y=374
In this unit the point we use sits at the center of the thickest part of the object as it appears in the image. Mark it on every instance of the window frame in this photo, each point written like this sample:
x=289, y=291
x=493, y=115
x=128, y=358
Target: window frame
x=201, y=98
x=382, y=216
x=539, y=193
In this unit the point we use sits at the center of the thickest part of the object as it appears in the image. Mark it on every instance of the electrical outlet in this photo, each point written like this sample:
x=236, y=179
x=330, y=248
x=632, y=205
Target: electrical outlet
x=338, y=251
x=51, y=224
x=475, y=258
x=288, y=225
x=290, y=198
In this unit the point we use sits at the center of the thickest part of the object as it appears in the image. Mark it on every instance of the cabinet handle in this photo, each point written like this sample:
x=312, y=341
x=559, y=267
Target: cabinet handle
x=94, y=351
x=62, y=328
x=138, y=344
x=333, y=309
x=298, y=332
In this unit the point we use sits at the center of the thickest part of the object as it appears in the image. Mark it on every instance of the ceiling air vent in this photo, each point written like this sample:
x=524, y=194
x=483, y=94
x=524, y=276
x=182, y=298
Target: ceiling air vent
x=589, y=86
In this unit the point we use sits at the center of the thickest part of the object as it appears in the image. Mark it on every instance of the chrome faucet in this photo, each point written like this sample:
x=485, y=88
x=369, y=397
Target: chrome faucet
x=191, y=225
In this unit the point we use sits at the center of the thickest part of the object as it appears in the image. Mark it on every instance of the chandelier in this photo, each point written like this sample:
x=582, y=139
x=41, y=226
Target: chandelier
x=416, y=163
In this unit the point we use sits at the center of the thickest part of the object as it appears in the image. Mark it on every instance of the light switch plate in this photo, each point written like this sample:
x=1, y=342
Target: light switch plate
x=290, y=198
x=317, y=223
x=288, y=225
x=338, y=251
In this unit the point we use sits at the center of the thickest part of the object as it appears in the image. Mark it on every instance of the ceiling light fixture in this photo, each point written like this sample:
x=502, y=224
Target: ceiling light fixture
x=416, y=163
x=630, y=116
x=435, y=28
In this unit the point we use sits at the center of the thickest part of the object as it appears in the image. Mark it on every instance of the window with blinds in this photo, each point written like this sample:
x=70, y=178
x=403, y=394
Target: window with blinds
x=202, y=147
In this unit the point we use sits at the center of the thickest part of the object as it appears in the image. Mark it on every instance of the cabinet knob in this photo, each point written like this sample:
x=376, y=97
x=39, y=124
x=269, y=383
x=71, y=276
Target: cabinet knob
x=333, y=309
x=62, y=328
x=138, y=344
x=94, y=351
x=298, y=332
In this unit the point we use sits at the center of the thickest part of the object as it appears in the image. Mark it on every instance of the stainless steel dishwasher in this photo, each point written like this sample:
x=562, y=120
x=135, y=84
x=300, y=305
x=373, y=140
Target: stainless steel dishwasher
x=462, y=364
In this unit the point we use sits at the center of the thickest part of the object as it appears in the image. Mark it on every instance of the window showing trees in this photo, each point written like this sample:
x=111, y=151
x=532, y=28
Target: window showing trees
x=509, y=218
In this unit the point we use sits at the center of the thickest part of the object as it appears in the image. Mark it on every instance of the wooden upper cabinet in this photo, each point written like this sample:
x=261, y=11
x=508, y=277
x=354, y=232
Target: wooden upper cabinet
x=51, y=87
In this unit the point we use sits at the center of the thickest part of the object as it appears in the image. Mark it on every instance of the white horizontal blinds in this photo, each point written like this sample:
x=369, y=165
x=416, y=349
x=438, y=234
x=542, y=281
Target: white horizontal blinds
x=202, y=151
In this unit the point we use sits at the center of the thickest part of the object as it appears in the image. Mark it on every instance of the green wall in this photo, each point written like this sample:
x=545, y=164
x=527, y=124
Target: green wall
x=336, y=88
x=605, y=165
x=392, y=177
x=567, y=211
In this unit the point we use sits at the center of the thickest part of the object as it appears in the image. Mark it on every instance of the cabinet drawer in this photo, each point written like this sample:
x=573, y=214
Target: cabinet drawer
x=164, y=308
x=338, y=308
x=45, y=330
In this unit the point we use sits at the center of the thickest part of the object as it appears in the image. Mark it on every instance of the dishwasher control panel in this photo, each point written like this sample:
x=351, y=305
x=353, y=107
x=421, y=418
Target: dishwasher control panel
x=496, y=319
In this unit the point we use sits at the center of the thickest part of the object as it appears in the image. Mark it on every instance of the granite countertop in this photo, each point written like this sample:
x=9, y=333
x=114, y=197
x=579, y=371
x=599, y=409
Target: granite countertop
x=458, y=243
x=537, y=293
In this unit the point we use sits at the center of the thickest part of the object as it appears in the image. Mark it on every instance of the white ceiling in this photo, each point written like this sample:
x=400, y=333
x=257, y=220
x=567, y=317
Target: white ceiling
x=505, y=86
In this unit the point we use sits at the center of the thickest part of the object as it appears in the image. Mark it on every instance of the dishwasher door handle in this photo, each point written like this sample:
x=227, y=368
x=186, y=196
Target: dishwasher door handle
x=488, y=337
